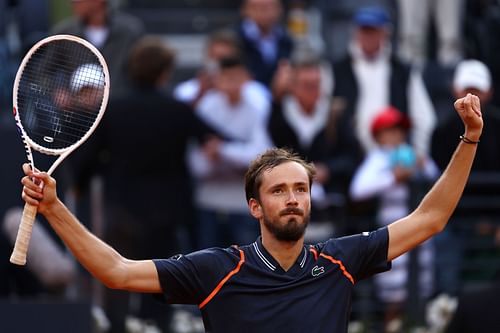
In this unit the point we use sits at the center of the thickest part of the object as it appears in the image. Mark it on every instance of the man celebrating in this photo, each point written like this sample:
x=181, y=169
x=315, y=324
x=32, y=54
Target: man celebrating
x=277, y=282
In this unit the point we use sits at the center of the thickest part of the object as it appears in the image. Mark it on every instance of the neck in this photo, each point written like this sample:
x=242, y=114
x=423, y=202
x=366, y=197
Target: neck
x=265, y=30
x=308, y=109
x=285, y=253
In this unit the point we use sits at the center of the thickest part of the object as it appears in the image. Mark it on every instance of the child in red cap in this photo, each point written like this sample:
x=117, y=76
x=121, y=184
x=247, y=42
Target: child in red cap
x=385, y=174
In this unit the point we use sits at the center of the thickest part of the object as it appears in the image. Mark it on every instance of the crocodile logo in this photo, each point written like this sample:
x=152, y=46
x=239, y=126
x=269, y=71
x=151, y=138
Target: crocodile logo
x=316, y=271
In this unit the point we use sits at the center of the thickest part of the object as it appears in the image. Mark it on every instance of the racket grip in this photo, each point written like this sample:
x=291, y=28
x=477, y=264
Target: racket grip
x=20, y=251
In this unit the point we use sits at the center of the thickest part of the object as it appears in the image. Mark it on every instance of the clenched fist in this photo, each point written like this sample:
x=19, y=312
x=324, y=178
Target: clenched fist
x=469, y=110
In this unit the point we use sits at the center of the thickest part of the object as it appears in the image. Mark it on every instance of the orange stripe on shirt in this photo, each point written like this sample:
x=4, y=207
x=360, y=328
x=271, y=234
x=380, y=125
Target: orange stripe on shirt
x=224, y=280
x=314, y=252
x=341, y=265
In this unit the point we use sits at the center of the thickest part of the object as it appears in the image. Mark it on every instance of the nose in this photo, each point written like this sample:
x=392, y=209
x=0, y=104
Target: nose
x=291, y=199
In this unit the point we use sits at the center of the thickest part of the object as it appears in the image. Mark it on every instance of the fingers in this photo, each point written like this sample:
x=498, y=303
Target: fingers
x=476, y=105
x=468, y=105
x=26, y=169
x=32, y=196
x=472, y=104
x=38, y=176
x=32, y=192
x=459, y=104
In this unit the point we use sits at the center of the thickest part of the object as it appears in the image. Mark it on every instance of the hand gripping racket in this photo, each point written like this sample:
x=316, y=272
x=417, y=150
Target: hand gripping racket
x=60, y=93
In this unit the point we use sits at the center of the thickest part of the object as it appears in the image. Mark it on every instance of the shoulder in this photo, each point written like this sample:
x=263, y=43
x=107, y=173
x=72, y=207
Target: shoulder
x=349, y=243
x=212, y=102
x=258, y=96
x=203, y=261
x=187, y=90
x=256, y=89
x=150, y=100
x=340, y=63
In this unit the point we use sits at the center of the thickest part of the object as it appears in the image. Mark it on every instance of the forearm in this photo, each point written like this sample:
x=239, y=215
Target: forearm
x=433, y=213
x=443, y=198
x=436, y=208
x=101, y=260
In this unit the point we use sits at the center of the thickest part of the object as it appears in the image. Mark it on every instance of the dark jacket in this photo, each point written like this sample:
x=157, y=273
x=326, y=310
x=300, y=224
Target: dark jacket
x=261, y=70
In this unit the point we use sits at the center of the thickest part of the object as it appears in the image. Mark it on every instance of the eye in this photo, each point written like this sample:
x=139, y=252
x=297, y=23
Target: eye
x=277, y=191
x=302, y=189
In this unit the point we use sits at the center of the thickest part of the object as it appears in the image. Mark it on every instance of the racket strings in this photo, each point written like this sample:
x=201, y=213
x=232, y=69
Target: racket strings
x=60, y=93
x=86, y=115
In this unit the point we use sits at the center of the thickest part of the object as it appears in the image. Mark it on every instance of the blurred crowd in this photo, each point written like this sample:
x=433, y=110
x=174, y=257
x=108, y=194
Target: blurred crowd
x=364, y=89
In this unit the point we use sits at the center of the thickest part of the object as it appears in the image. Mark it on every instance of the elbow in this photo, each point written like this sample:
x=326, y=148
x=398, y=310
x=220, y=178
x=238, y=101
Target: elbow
x=433, y=223
x=437, y=224
x=438, y=227
x=112, y=284
x=115, y=277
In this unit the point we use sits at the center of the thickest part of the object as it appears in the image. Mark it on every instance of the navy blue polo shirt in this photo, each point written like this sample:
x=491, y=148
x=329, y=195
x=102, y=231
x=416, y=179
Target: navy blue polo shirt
x=243, y=289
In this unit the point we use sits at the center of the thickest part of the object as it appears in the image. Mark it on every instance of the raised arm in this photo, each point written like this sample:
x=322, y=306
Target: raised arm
x=101, y=260
x=436, y=208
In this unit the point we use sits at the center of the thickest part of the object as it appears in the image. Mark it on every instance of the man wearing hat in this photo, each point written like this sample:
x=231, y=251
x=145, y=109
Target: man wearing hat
x=471, y=76
x=369, y=78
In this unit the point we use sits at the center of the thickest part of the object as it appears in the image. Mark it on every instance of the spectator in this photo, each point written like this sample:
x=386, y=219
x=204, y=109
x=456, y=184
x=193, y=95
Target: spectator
x=470, y=76
x=371, y=77
x=144, y=129
x=264, y=39
x=385, y=174
x=301, y=119
x=108, y=29
x=336, y=22
x=221, y=44
x=240, y=114
x=414, y=22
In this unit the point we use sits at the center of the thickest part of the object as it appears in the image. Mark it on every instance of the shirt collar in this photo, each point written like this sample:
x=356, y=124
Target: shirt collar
x=268, y=260
x=383, y=55
x=252, y=31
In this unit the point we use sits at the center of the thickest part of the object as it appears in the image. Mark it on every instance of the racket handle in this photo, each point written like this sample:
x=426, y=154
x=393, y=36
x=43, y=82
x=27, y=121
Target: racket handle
x=20, y=251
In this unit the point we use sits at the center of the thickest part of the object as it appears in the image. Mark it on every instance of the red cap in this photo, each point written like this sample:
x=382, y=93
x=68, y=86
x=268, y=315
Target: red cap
x=389, y=117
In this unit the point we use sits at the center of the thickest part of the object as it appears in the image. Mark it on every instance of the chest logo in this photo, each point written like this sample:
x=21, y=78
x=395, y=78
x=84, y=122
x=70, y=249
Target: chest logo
x=316, y=271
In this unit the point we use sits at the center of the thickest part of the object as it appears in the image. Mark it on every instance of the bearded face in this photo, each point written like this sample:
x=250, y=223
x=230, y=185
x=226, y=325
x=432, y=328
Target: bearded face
x=284, y=202
x=292, y=229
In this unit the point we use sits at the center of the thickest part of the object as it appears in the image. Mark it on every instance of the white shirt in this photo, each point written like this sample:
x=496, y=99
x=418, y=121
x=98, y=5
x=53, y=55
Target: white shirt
x=306, y=126
x=375, y=178
x=97, y=36
x=373, y=77
x=220, y=184
x=188, y=90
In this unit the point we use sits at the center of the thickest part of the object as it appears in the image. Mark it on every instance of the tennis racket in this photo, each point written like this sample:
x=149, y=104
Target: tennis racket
x=60, y=94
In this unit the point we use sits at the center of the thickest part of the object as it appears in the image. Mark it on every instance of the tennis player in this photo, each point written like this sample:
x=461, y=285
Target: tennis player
x=277, y=282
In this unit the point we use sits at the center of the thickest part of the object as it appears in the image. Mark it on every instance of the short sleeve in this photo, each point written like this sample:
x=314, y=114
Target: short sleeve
x=188, y=279
x=365, y=254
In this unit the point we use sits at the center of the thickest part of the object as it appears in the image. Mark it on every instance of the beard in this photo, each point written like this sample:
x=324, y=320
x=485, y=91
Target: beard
x=293, y=230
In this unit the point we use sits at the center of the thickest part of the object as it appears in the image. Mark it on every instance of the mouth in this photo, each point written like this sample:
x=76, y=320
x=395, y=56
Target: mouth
x=292, y=211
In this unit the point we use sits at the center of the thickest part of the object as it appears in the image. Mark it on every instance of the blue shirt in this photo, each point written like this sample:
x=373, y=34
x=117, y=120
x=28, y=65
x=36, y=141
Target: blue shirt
x=243, y=289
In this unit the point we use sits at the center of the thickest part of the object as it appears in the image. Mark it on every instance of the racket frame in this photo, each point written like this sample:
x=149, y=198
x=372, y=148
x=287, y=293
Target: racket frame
x=21, y=245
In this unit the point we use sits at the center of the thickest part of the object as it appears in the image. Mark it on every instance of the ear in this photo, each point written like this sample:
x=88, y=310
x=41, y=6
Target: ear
x=255, y=208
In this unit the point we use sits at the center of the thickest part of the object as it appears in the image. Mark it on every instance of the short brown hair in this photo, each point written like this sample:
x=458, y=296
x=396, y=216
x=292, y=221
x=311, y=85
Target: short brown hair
x=149, y=58
x=267, y=161
x=224, y=36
